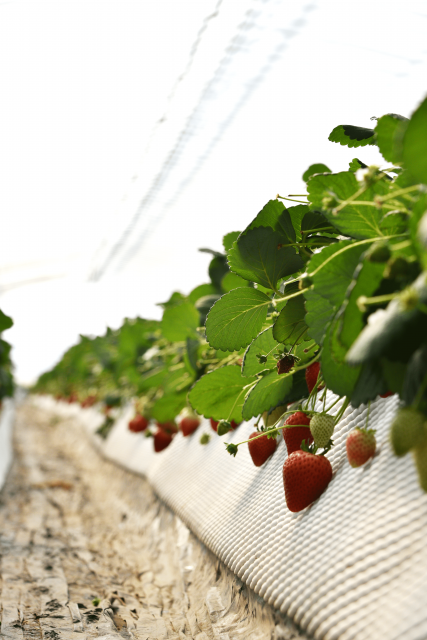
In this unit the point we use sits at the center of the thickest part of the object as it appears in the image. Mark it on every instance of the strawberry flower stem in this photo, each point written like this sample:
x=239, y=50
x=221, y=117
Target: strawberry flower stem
x=341, y=411
x=291, y=199
x=367, y=415
x=350, y=246
x=333, y=404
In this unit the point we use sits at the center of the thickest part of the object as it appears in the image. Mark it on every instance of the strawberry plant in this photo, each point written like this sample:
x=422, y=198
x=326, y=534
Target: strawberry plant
x=326, y=290
x=6, y=377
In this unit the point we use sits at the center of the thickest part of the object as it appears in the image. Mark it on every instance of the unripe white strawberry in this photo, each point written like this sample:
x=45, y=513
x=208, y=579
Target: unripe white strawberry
x=407, y=429
x=322, y=427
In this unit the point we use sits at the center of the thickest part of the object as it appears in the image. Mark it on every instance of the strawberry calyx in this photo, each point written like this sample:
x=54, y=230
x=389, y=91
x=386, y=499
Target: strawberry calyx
x=232, y=448
x=313, y=448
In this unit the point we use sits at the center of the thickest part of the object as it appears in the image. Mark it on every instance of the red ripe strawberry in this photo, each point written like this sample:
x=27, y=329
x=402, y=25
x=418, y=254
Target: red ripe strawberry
x=386, y=395
x=285, y=364
x=162, y=439
x=295, y=435
x=305, y=477
x=169, y=427
x=261, y=448
x=311, y=375
x=138, y=423
x=215, y=423
x=188, y=425
x=360, y=445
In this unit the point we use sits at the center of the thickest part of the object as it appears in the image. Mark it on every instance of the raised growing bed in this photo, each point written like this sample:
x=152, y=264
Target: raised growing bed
x=353, y=565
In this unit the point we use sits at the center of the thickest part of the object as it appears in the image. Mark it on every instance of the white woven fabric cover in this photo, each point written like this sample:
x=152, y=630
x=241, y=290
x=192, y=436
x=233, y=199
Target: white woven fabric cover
x=353, y=565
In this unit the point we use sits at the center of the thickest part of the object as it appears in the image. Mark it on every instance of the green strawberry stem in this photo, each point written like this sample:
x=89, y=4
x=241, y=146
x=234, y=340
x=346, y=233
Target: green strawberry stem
x=291, y=199
x=313, y=393
x=333, y=404
x=272, y=429
x=341, y=411
x=300, y=336
x=364, y=301
x=367, y=415
x=400, y=192
x=351, y=246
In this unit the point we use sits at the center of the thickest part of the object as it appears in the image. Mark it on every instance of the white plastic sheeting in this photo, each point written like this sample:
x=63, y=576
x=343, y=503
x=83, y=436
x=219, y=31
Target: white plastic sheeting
x=7, y=414
x=353, y=565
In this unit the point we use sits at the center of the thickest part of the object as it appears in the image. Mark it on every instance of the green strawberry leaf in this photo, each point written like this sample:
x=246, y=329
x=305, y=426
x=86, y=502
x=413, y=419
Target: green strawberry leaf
x=229, y=239
x=175, y=299
x=297, y=215
x=313, y=169
x=232, y=281
x=332, y=269
x=290, y=325
x=414, y=386
x=357, y=164
x=152, y=379
x=204, y=305
x=218, y=267
x=367, y=279
x=193, y=353
x=415, y=144
x=265, y=345
x=236, y=319
x=313, y=221
x=319, y=313
x=220, y=394
x=306, y=351
x=200, y=292
x=336, y=265
x=339, y=377
x=298, y=390
x=394, y=373
x=418, y=229
x=350, y=136
x=389, y=135
x=267, y=393
x=5, y=321
x=275, y=216
x=370, y=384
x=178, y=379
x=394, y=223
x=168, y=406
x=180, y=322
x=357, y=221
x=259, y=256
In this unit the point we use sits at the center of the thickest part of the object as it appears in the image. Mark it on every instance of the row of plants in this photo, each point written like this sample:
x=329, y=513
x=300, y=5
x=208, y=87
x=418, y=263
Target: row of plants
x=323, y=291
x=6, y=376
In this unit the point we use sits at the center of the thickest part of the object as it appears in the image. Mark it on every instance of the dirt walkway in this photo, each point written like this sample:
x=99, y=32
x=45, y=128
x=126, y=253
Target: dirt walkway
x=88, y=551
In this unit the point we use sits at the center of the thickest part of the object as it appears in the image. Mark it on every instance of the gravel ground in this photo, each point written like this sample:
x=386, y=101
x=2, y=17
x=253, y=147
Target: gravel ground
x=87, y=551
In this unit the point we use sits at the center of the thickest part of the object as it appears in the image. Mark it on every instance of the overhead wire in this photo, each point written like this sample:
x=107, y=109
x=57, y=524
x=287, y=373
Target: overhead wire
x=236, y=44
x=193, y=52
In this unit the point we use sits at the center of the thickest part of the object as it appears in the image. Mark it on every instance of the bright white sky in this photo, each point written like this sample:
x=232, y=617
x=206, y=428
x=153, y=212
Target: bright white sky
x=247, y=92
